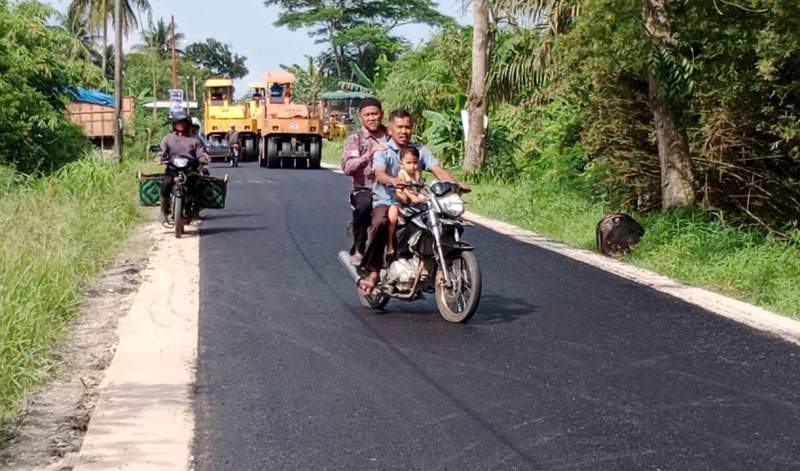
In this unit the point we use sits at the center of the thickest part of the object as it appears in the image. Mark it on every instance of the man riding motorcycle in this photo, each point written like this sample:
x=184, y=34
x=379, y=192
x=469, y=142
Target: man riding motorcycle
x=357, y=155
x=386, y=166
x=181, y=141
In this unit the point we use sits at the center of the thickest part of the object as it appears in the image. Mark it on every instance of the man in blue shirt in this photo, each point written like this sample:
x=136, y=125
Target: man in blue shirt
x=386, y=166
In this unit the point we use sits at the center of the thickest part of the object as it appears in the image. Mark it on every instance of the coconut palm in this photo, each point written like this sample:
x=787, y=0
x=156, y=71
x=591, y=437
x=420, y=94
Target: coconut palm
x=98, y=13
x=158, y=39
x=529, y=63
x=82, y=43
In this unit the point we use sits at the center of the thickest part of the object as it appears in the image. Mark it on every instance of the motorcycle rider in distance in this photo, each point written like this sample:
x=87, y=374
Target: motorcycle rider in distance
x=386, y=166
x=181, y=141
x=197, y=131
x=357, y=156
x=233, y=146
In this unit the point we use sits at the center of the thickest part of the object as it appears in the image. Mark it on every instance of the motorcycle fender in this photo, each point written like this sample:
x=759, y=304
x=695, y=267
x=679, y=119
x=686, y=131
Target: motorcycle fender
x=455, y=247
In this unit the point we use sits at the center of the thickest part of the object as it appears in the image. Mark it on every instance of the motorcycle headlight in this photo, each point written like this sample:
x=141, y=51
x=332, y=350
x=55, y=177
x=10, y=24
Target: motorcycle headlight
x=452, y=205
x=180, y=162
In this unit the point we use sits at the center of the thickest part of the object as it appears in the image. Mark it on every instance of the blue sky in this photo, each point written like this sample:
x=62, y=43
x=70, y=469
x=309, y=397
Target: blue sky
x=248, y=26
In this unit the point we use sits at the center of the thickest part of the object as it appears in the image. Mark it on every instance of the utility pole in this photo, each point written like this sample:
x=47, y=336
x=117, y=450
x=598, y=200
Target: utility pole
x=174, y=58
x=118, y=80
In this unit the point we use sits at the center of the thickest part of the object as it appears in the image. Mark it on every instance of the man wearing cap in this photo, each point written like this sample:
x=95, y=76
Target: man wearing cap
x=180, y=142
x=357, y=164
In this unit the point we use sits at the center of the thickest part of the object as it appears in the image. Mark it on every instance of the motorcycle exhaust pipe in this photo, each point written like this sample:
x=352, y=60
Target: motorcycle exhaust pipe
x=344, y=259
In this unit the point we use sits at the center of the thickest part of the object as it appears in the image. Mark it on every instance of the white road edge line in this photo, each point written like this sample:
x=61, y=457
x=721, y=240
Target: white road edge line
x=144, y=417
x=739, y=311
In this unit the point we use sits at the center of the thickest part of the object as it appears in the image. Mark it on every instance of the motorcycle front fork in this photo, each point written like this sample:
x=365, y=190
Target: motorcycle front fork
x=436, y=230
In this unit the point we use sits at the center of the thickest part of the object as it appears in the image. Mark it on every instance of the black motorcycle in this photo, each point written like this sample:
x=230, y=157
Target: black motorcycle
x=184, y=199
x=430, y=257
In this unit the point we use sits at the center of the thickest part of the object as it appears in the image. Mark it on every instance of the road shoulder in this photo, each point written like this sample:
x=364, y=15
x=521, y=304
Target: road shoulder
x=144, y=417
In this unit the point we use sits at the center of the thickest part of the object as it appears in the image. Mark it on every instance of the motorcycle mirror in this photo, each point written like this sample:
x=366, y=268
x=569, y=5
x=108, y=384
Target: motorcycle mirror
x=155, y=148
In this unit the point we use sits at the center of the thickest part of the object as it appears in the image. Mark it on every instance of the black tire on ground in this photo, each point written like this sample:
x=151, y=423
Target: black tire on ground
x=249, y=149
x=262, y=160
x=177, y=216
x=301, y=163
x=272, y=153
x=315, y=150
x=459, y=303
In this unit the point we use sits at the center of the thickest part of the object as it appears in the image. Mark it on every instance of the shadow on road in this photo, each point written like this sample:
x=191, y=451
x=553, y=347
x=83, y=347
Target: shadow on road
x=227, y=215
x=496, y=309
x=224, y=230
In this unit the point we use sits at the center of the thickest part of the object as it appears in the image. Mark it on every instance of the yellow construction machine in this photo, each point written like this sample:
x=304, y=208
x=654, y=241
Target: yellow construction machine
x=291, y=133
x=221, y=113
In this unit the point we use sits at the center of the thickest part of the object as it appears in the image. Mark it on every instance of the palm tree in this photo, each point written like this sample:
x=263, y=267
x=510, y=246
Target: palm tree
x=98, y=13
x=536, y=23
x=158, y=39
x=82, y=41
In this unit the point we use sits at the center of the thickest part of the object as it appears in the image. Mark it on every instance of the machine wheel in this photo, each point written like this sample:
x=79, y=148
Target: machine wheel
x=262, y=161
x=315, y=149
x=249, y=149
x=272, y=154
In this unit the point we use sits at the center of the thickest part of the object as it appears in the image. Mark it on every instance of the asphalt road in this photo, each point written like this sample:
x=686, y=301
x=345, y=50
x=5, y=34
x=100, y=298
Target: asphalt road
x=563, y=367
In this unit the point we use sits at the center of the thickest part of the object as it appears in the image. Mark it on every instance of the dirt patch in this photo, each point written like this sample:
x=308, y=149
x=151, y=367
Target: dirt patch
x=49, y=435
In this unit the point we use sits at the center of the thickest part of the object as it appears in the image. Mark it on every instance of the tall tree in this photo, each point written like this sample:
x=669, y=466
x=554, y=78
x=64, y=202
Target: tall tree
x=217, y=58
x=158, y=39
x=343, y=24
x=476, y=101
x=82, y=42
x=98, y=14
x=677, y=173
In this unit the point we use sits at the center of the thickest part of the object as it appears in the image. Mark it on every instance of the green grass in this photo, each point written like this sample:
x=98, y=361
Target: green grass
x=684, y=245
x=332, y=152
x=56, y=233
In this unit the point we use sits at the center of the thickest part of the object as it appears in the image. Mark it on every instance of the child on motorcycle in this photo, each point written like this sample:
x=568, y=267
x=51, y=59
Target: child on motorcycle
x=409, y=173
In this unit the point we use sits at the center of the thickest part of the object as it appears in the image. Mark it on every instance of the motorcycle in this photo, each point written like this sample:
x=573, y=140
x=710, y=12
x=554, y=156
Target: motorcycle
x=184, y=200
x=430, y=257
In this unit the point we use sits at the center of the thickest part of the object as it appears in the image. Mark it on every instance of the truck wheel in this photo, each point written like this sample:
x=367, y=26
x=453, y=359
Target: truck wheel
x=272, y=154
x=315, y=149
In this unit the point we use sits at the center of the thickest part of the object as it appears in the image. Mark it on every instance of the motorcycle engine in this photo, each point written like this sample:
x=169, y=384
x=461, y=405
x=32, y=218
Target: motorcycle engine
x=402, y=272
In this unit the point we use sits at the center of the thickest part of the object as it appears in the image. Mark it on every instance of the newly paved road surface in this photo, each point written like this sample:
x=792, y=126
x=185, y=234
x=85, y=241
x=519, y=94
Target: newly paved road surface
x=563, y=367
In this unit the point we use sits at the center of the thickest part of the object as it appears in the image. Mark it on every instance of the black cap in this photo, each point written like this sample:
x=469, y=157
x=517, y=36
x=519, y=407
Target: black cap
x=369, y=101
x=180, y=116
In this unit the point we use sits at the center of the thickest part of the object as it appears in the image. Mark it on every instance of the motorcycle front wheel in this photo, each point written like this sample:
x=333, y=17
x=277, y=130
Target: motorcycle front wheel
x=459, y=302
x=177, y=216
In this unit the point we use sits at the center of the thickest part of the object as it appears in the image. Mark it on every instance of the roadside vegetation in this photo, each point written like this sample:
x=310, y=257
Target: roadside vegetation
x=56, y=233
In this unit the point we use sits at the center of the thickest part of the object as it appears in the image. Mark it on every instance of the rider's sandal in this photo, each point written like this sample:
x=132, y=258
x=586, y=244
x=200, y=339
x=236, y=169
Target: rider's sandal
x=366, y=280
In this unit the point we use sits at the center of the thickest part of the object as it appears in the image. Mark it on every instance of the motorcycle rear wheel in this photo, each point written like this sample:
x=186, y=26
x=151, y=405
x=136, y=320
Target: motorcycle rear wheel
x=459, y=302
